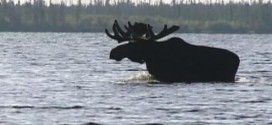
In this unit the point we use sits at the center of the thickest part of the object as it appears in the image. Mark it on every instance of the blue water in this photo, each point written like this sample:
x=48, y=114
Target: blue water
x=67, y=78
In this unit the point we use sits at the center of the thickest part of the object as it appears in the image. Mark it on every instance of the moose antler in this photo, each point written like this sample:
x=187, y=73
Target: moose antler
x=166, y=31
x=119, y=34
x=119, y=29
x=138, y=31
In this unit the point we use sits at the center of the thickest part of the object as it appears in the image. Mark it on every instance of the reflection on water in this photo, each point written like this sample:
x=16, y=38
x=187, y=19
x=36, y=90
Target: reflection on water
x=67, y=78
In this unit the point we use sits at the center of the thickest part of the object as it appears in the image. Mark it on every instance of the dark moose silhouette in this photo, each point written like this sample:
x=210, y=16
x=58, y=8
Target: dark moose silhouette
x=173, y=60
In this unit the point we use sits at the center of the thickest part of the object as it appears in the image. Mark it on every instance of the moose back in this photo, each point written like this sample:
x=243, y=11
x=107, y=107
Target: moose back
x=173, y=60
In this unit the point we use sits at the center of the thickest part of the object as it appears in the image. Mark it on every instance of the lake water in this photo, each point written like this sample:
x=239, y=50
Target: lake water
x=67, y=78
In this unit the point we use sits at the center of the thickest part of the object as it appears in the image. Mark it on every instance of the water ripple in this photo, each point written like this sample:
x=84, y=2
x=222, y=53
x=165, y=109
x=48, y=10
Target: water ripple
x=68, y=79
x=45, y=107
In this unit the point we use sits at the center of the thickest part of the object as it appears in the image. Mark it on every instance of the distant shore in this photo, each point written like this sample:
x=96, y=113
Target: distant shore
x=192, y=17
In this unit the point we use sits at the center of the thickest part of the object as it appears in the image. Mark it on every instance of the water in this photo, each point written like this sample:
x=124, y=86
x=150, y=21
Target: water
x=67, y=78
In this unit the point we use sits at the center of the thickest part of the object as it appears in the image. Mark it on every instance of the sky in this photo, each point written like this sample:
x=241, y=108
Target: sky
x=88, y=1
x=152, y=1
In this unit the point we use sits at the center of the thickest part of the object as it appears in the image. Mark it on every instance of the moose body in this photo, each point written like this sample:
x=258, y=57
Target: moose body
x=175, y=60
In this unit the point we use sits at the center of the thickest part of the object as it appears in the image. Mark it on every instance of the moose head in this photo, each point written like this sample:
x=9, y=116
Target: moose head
x=139, y=37
x=172, y=60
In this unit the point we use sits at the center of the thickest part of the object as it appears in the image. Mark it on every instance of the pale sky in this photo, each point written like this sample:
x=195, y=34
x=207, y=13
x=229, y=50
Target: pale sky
x=88, y=1
x=152, y=1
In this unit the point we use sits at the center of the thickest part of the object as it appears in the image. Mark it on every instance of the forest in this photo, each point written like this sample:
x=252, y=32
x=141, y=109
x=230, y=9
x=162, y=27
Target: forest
x=193, y=16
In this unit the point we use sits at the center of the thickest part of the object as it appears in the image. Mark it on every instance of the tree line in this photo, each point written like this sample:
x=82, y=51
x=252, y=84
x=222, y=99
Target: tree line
x=191, y=15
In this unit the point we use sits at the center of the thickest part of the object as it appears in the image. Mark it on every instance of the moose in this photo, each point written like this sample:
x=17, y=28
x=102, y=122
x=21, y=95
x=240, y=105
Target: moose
x=172, y=60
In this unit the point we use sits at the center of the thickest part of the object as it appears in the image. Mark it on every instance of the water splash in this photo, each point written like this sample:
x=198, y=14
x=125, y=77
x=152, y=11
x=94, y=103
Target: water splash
x=253, y=79
x=243, y=79
x=141, y=77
